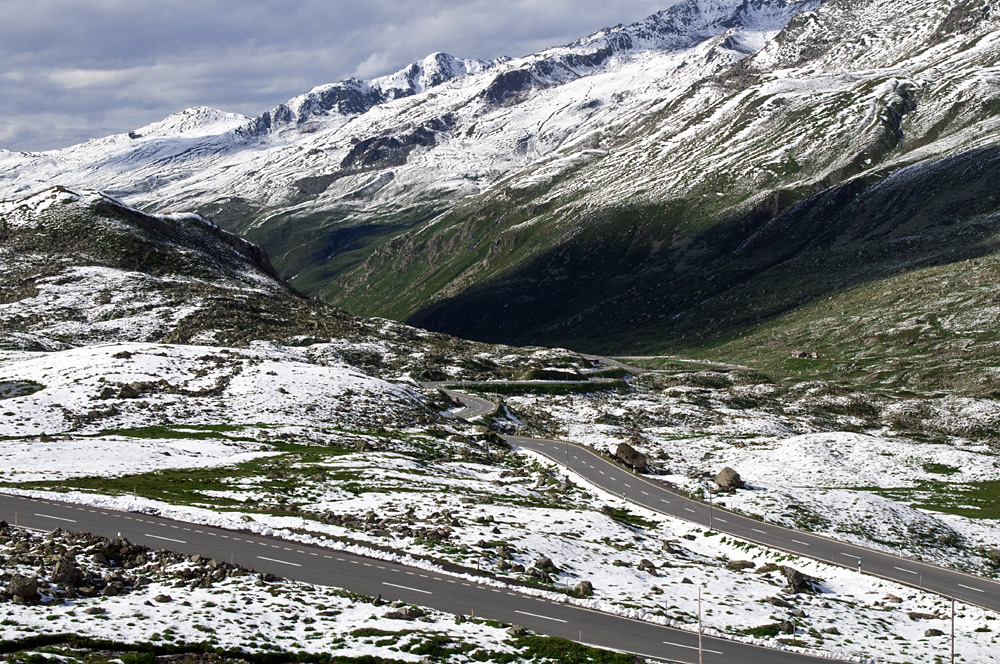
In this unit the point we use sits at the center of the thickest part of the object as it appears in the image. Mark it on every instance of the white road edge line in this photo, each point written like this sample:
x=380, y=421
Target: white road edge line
x=283, y=562
x=57, y=518
x=416, y=590
x=165, y=539
x=535, y=615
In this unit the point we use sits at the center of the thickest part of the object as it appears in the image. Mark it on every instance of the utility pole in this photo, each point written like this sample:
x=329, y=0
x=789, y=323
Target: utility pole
x=952, y=630
x=700, y=655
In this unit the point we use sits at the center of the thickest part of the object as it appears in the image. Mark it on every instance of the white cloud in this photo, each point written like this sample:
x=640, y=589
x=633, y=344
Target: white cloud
x=102, y=62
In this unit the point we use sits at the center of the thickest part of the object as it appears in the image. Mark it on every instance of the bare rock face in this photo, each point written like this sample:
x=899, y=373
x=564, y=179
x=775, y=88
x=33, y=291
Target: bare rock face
x=729, y=480
x=629, y=456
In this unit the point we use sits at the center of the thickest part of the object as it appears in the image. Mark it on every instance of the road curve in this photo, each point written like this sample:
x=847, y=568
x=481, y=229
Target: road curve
x=610, y=476
x=374, y=577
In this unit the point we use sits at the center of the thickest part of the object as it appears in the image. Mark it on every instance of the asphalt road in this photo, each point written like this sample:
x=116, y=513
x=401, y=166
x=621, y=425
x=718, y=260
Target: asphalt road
x=392, y=581
x=612, y=477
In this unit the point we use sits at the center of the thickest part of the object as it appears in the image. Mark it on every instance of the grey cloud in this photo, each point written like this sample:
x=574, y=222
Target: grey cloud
x=73, y=70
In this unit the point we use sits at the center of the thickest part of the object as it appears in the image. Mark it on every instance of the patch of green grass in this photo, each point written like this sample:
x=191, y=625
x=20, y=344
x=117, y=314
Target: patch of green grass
x=184, y=432
x=940, y=469
x=11, y=389
x=974, y=500
x=280, y=475
x=564, y=651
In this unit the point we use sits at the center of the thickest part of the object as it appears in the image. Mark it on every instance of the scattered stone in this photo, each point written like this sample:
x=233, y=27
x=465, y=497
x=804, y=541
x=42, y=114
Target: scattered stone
x=22, y=588
x=687, y=580
x=406, y=613
x=893, y=599
x=933, y=632
x=777, y=601
x=786, y=626
x=796, y=580
x=163, y=599
x=94, y=611
x=831, y=630
x=516, y=630
x=740, y=565
x=799, y=613
x=767, y=568
x=646, y=565
x=917, y=615
x=546, y=565
x=584, y=589
x=128, y=392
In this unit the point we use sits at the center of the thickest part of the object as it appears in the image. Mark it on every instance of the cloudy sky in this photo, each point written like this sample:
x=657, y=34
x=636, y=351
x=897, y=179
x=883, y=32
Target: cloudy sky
x=71, y=70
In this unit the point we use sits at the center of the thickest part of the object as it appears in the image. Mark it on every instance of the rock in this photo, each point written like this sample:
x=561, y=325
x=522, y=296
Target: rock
x=796, y=580
x=66, y=572
x=777, y=601
x=584, y=589
x=516, y=630
x=541, y=575
x=933, y=632
x=107, y=393
x=94, y=611
x=739, y=565
x=799, y=613
x=687, y=580
x=128, y=392
x=629, y=456
x=993, y=555
x=22, y=587
x=917, y=615
x=729, y=480
x=831, y=630
x=406, y=613
x=893, y=599
x=546, y=565
x=646, y=565
x=767, y=568
x=163, y=599
x=786, y=626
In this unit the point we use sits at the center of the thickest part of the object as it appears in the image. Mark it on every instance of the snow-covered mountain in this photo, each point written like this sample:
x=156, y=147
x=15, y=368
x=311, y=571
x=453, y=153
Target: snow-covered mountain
x=684, y=136
x=401, y=148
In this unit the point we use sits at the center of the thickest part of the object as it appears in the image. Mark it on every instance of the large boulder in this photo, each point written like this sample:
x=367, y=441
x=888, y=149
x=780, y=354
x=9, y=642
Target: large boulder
x=629, y=456
x=797, y=582
x=22, y=588
x=729, y=480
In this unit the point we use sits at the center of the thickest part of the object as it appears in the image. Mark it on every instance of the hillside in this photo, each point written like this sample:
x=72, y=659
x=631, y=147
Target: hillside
x=707, y=181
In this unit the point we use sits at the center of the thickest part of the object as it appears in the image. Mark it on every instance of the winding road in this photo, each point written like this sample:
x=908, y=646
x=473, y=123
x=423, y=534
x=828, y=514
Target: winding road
x=612, y=477
x=462, y=595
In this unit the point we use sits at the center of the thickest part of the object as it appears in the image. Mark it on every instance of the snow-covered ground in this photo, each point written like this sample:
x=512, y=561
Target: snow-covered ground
x=803, y=469
x=237, y=612
x=495, y=518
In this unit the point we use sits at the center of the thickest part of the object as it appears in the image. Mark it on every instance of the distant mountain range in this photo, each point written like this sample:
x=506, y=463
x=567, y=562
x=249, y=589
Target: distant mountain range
x=687, y=180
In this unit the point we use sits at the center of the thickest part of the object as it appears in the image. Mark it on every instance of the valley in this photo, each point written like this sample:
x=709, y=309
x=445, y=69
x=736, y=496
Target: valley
x=679, y=336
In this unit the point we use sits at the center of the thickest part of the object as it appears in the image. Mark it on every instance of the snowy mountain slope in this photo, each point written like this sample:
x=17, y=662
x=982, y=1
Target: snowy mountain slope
x=380, y=156
x=638, y=160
